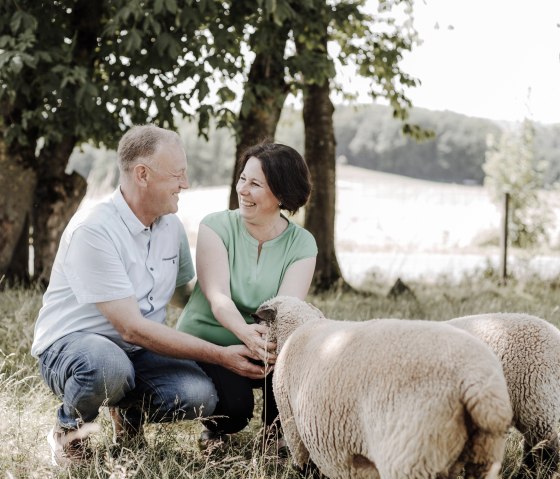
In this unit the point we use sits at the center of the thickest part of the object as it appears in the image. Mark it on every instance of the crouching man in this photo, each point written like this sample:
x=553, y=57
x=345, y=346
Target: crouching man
x=100, y=336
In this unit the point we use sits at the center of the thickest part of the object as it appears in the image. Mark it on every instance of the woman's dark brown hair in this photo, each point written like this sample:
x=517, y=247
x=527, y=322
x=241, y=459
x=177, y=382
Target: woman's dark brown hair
x=285, y=171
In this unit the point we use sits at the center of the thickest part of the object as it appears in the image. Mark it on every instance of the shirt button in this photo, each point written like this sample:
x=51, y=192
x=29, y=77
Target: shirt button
x=151, y=298
x=151, y=269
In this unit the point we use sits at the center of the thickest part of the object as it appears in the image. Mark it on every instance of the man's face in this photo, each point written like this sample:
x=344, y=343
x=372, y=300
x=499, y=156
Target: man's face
x=167, y=176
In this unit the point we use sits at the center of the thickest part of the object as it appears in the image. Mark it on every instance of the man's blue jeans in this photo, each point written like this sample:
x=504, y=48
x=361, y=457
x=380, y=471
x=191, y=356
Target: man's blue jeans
x=87, y=371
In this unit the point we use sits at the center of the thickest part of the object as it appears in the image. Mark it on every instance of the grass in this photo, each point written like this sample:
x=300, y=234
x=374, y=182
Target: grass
x=28, y=408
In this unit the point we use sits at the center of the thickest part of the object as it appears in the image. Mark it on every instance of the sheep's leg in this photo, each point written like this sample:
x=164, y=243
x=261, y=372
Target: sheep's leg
x=300, y=454
x=484, y=456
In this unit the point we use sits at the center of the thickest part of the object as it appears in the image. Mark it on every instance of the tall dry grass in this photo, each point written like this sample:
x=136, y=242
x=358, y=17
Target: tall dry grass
x=27, y=407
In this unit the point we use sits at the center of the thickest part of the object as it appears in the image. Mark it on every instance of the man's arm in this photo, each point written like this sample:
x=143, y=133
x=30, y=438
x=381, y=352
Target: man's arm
x=124, y=315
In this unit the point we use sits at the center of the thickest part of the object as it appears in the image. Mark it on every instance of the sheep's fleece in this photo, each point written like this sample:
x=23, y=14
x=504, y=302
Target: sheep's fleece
x=386, y=398
x=529, y=349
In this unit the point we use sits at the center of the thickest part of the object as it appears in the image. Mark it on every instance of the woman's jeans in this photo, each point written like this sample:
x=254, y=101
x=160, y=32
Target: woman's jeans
x=87, y=371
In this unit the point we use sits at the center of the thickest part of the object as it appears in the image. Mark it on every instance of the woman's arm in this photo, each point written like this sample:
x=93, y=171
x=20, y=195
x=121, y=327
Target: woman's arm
x=297, y=279
x=212, y=268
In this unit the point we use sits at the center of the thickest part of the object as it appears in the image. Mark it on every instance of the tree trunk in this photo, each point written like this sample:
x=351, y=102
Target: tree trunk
x=57, y=197
x=263, y=99
x=320, y=155
x=17, y=183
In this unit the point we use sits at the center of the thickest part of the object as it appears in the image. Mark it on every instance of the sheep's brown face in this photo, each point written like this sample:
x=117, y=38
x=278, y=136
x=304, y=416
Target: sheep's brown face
x=283, y=314
x=267, y=314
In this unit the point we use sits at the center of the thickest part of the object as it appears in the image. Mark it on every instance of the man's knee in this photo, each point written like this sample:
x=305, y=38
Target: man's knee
x=96, y=365
x=114, y=380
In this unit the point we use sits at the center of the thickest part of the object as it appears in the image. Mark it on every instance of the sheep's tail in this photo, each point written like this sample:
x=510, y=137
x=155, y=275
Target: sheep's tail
x=489, y=415
x=487, y=403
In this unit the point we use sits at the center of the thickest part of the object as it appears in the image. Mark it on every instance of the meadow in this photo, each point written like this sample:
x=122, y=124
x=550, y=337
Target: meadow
x=27, y=407
x=383, y=224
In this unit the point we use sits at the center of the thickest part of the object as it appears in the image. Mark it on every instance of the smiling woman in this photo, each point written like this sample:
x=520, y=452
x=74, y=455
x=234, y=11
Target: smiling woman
x=243, y=257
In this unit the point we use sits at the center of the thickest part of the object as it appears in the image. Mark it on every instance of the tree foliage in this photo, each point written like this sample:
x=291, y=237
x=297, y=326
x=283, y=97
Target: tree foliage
x=211, y=160
x=75, y=71
x=511, y=167
x=87, y=69
x=370, y=137
x=373, y=44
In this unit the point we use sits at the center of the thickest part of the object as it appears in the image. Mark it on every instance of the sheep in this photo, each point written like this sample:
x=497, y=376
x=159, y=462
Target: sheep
x=386, y=398
x=529, y=349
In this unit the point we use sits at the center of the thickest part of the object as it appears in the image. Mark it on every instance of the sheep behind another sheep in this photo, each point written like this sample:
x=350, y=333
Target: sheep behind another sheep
x=529, y=349
x=386, y=398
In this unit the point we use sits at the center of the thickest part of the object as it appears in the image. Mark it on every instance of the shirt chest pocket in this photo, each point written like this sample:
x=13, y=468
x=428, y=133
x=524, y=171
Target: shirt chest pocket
x=165, y=273
x=170, y=260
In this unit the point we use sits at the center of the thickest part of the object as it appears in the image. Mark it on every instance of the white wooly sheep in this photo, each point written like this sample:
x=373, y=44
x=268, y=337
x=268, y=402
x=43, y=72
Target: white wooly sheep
x=529, y=349
x=386, y=398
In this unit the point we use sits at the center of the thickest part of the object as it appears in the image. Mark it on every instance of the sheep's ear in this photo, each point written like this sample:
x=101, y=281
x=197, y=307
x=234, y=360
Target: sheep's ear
x=265, y=314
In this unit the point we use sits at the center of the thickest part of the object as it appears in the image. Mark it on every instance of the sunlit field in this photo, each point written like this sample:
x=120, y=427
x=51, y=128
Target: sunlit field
x=28, y=408
x=394, y=227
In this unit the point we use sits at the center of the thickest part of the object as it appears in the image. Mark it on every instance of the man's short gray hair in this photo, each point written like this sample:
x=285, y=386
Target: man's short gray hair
x=140, y=143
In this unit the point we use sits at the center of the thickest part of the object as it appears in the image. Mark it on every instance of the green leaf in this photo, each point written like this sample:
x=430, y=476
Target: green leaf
x=158, y=6
x=171, y=6
x=6, y=41
x=226, y=94
x=132, y=42
x=162, y=43
x=15, y=21
x=203, y=90
x=270, y=6
x=5, y=58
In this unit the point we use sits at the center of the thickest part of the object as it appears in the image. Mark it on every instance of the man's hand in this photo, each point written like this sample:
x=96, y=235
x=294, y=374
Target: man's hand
x=237, y=358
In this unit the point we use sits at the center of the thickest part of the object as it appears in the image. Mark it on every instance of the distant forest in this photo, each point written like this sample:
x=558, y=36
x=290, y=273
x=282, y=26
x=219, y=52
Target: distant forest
x=367, y=136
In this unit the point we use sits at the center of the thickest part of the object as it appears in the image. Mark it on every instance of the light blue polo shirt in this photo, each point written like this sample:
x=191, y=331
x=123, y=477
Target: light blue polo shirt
x=106, y=254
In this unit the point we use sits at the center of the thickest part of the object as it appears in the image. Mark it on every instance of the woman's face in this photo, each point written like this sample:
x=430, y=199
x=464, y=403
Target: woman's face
x=255, y=198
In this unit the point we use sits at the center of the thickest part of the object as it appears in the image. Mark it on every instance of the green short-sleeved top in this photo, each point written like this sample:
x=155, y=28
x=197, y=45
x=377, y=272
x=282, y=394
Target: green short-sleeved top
x=251, y=282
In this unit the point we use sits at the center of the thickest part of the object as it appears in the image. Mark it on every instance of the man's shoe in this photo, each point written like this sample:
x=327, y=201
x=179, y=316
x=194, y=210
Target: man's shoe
x=69, y=446
x=124, y=433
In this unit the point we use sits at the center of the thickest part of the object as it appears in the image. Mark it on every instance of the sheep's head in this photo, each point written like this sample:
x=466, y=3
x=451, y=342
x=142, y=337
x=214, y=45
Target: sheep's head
x=283, y=314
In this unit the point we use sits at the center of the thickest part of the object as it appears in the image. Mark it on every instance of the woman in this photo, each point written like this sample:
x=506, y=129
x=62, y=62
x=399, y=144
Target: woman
x=244, y=257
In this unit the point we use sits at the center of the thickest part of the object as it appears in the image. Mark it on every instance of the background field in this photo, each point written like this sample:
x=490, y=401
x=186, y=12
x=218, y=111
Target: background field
x=393, y=226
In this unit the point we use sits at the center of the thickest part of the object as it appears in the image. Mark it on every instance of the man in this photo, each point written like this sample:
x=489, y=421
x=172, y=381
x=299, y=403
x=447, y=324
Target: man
x=100, y=337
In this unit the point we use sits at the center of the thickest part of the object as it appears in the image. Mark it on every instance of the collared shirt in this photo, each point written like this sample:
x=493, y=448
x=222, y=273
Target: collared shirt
x=105, y=254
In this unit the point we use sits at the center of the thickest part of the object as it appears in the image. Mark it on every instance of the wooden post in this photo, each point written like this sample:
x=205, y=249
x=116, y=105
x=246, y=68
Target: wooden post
x=504, y=240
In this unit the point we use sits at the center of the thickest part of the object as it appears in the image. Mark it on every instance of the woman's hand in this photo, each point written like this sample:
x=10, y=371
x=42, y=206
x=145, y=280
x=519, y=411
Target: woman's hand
x=254, y=336
x=239, y=359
